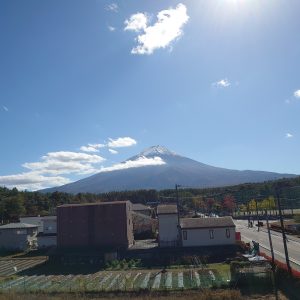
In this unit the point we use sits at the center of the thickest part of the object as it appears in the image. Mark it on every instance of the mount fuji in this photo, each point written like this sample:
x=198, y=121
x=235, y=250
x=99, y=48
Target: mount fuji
x=159, y=168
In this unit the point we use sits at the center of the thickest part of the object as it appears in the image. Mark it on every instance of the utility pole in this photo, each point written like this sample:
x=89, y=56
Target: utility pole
x=248, y=211
x=178, y=216
x=257, y=214
x=270, y=240
x=283, y=231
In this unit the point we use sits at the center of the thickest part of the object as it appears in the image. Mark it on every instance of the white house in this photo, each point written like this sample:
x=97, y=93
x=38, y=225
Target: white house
x=18, y=236
x=168, y=227
x=207, y=231
x=48, y=237
x=47, y=229
x=33, y=220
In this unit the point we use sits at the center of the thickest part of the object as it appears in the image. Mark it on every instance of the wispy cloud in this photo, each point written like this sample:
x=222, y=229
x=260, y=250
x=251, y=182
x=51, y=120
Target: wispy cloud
x=297, y=94
x=223, y=83
x=112, y=151
x=121, y=142
x=139, y=162
x=289, y=135
x=161, y=34
x=112, y=7
x=4, y=108
x=92, y=147
x=111, y=28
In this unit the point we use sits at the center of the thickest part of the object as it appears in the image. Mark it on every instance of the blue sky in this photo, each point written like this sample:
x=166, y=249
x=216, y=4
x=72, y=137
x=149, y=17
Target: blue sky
x=215, y=80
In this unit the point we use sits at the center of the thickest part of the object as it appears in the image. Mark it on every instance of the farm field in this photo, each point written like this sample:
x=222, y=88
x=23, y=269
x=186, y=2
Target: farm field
x=115, y=281
x=10, y=266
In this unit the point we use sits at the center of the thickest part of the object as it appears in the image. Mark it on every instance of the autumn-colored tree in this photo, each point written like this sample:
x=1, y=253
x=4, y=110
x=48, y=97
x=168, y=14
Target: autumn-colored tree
x=229, y=203
x=198, y=204
x=252, y=205
x=242, y=208
x=210, y=202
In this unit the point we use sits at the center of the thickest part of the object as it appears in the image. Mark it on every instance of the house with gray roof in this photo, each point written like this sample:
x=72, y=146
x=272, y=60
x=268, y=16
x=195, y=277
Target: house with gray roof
x=18, y=236
x=193, y=232
x=207, y=231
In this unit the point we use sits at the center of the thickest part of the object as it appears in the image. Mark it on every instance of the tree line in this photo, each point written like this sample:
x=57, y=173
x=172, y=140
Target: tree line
x=14, y=203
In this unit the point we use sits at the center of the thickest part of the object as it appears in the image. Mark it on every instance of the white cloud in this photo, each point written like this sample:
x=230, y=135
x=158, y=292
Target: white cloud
x=88, y=149
x=167, y=28
x=111, y=28
x=45, y=172
x=140, y=162
x=223, y=83
x=137, y=22
x=121, y=142
x=32, y=181
x=59, y=167
x=92, y=147
x=4, y=108
x=289, y=135
x=297, y=94
x=64, y=162
x=112, y=151
x=112, y=7
x=66, y=156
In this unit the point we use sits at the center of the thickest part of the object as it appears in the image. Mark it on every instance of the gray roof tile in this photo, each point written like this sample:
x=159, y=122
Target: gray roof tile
x=187, y=223
x=17, y=226
x=166, y=209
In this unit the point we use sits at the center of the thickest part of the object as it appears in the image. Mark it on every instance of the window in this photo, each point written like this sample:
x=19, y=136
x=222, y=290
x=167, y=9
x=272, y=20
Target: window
x=228, y=233
x=211, y=234
x=184, y=233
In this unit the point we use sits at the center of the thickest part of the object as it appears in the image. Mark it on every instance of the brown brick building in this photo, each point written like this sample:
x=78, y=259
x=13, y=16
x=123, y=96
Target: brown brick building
x=95, y=225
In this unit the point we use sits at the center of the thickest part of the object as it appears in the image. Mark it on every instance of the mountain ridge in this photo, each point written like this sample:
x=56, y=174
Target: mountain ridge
x=162, y=170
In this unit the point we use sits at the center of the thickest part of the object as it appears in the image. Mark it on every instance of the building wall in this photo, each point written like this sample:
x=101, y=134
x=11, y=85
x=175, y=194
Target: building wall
x=49, y=225
x=17, y=239
x=98, y=225
x=130, y=235
x=168, y=230
x=45, y=241
x=201, y=237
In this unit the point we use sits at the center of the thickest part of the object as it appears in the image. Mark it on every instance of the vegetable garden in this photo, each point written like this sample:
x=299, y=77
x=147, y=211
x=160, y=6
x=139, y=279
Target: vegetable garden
x=110, y=281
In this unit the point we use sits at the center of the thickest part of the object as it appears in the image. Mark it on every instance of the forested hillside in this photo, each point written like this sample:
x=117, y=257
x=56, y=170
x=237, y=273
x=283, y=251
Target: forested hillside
x=14, y=203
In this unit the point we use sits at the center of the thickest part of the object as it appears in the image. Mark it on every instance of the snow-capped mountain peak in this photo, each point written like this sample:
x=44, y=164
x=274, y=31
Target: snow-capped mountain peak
x=156, y=150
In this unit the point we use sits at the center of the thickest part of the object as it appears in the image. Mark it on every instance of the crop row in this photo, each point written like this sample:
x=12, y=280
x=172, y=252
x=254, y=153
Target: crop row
x=12, y=266
x=115, y=281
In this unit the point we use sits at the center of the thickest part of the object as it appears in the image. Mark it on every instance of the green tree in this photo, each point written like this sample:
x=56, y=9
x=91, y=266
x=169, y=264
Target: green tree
x=14, y=207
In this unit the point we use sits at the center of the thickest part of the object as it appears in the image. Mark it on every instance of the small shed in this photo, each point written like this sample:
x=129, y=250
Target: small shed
x=18, y=236
x=207, y=231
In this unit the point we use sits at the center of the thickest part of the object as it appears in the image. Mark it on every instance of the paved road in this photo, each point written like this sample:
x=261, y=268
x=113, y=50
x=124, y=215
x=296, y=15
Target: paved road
x=249, y=234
